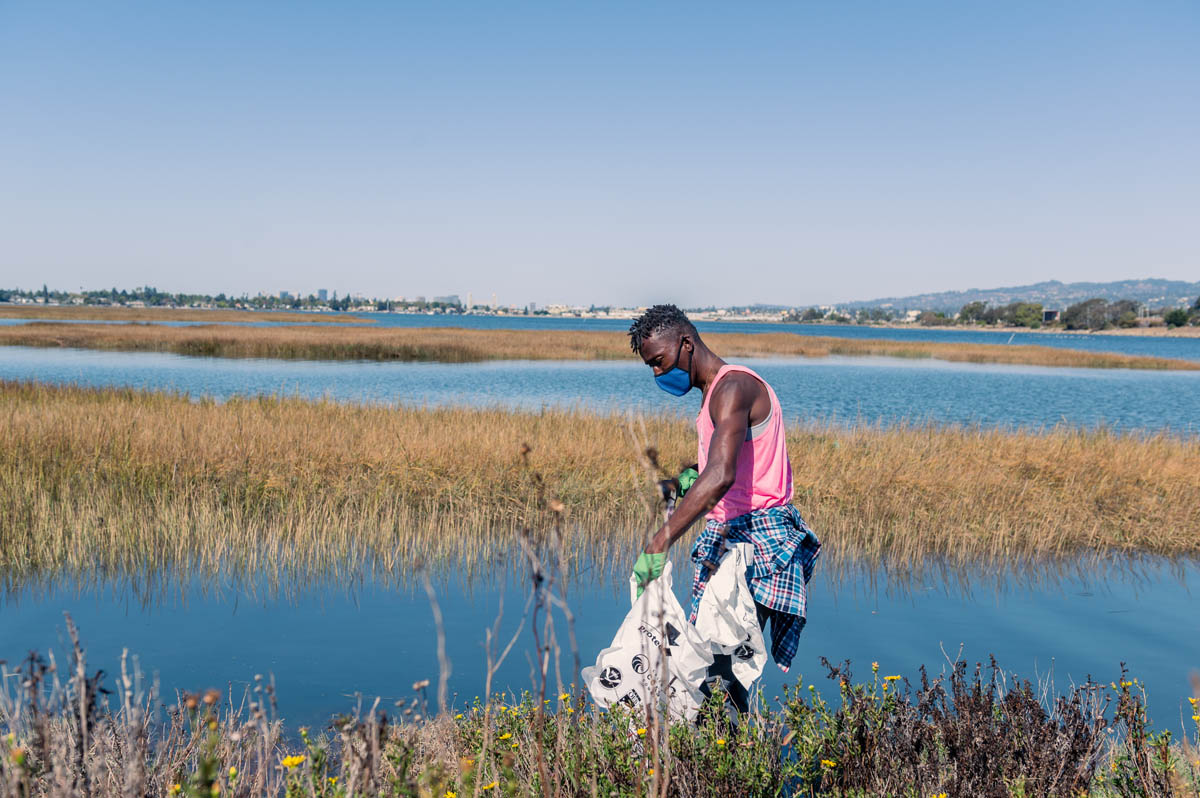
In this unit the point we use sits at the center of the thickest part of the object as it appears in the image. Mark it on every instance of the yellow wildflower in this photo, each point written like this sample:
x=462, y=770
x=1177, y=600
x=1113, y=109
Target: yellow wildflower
x=720, y=741
x=451, y=794
x=175, y=788
x=1196, y=718
x=504, y=736
x=233, y=773
x=891, y=678
x=641, y=732
x=333, y=779
x=564, y=697
x=651, y=771
x=290, y=762
x=458, y=716
x=491, y=786
x=829, y=763
x=570, y=710
x=215, y=789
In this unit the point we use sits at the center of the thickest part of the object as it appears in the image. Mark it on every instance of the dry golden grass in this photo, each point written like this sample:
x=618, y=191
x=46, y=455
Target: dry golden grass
x=107, y=313
x=100, y=482
x=459, y=345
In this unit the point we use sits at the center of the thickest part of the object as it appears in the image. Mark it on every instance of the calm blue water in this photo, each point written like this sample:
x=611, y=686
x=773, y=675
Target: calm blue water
x=334, y=640
x=882, y=390
x=1181, y=348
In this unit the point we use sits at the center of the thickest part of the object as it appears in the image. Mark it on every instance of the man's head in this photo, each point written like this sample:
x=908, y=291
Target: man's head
x=666, y=340
x=665, y=323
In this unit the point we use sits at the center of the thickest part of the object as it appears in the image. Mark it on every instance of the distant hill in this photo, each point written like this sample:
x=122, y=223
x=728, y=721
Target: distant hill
x=1052, y=294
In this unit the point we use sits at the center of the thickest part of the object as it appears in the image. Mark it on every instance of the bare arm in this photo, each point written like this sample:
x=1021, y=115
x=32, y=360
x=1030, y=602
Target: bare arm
x=730, y=409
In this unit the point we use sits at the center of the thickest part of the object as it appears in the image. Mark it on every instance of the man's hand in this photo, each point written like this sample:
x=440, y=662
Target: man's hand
x=648, y=568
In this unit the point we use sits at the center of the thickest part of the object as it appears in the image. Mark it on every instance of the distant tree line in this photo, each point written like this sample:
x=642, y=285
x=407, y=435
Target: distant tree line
x=152, y=297
x=863, y=316
x=1091, y=314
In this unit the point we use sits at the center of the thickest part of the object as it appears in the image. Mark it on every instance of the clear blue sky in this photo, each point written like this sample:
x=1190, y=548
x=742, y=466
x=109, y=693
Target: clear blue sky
x=607, y=152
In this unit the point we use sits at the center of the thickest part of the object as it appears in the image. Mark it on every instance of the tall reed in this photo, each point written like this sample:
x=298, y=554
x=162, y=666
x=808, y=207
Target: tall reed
x=114, y=481
x=461, y=345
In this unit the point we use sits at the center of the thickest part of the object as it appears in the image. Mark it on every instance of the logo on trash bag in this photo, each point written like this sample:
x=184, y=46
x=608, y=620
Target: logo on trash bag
x=744, y=652
x=640, y=664
x=610, y=677
x=631, y=698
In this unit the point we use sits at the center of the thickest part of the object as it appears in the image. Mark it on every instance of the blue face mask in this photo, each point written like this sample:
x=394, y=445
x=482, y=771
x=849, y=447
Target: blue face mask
x=677, y=381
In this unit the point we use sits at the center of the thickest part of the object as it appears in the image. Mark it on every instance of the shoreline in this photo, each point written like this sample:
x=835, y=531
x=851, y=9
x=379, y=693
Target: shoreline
x=1116, y=332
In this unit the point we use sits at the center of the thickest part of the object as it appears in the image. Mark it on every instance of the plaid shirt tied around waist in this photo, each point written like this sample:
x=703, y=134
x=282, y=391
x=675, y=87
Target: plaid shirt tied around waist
x=785, y=552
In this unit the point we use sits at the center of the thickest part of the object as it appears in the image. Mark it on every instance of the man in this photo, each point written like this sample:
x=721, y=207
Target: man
x=744, y=482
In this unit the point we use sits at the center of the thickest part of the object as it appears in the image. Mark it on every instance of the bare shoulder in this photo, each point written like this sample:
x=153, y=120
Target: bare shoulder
x=736, y=390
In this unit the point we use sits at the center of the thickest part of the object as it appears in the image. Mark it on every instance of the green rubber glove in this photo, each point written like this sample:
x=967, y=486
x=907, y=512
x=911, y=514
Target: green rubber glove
x=687, y=478
x=648, y=568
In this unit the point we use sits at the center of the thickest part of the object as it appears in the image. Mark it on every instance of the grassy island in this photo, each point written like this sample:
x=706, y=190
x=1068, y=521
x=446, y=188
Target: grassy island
x=462, y=345
x=110, y=480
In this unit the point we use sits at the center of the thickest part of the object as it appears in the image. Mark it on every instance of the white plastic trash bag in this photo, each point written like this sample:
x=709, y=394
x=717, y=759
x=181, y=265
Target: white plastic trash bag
x=632, y=671
x=727, y=617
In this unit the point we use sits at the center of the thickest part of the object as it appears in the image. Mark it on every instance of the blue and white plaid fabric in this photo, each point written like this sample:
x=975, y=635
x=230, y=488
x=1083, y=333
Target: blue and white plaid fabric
x=785, y=552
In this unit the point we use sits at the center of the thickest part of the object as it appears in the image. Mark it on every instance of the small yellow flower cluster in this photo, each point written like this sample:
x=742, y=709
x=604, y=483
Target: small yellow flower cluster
x=891, y=678
x=505, y=736
x=641, y=732
x=451, y=794
x=175, y=788
x=828, y=763
x=292, y=761
x=491, y=786
x=721, y=741
x=938, y=795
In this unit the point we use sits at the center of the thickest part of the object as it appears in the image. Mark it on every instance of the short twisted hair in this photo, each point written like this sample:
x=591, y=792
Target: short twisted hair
x=655, y=320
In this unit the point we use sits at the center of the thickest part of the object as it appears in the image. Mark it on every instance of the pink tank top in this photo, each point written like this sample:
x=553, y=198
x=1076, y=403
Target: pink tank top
x=764, y=473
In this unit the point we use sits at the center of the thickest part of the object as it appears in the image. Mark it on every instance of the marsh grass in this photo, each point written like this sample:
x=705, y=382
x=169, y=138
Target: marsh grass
x=956, y=733
x=103, y=313
x=107, y=482
x=460, y=345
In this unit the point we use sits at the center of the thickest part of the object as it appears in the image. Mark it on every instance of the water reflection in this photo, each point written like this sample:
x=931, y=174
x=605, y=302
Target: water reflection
x=327, y=636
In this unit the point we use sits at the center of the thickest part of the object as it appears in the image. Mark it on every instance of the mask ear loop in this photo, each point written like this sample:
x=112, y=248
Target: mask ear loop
x=691, y=357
